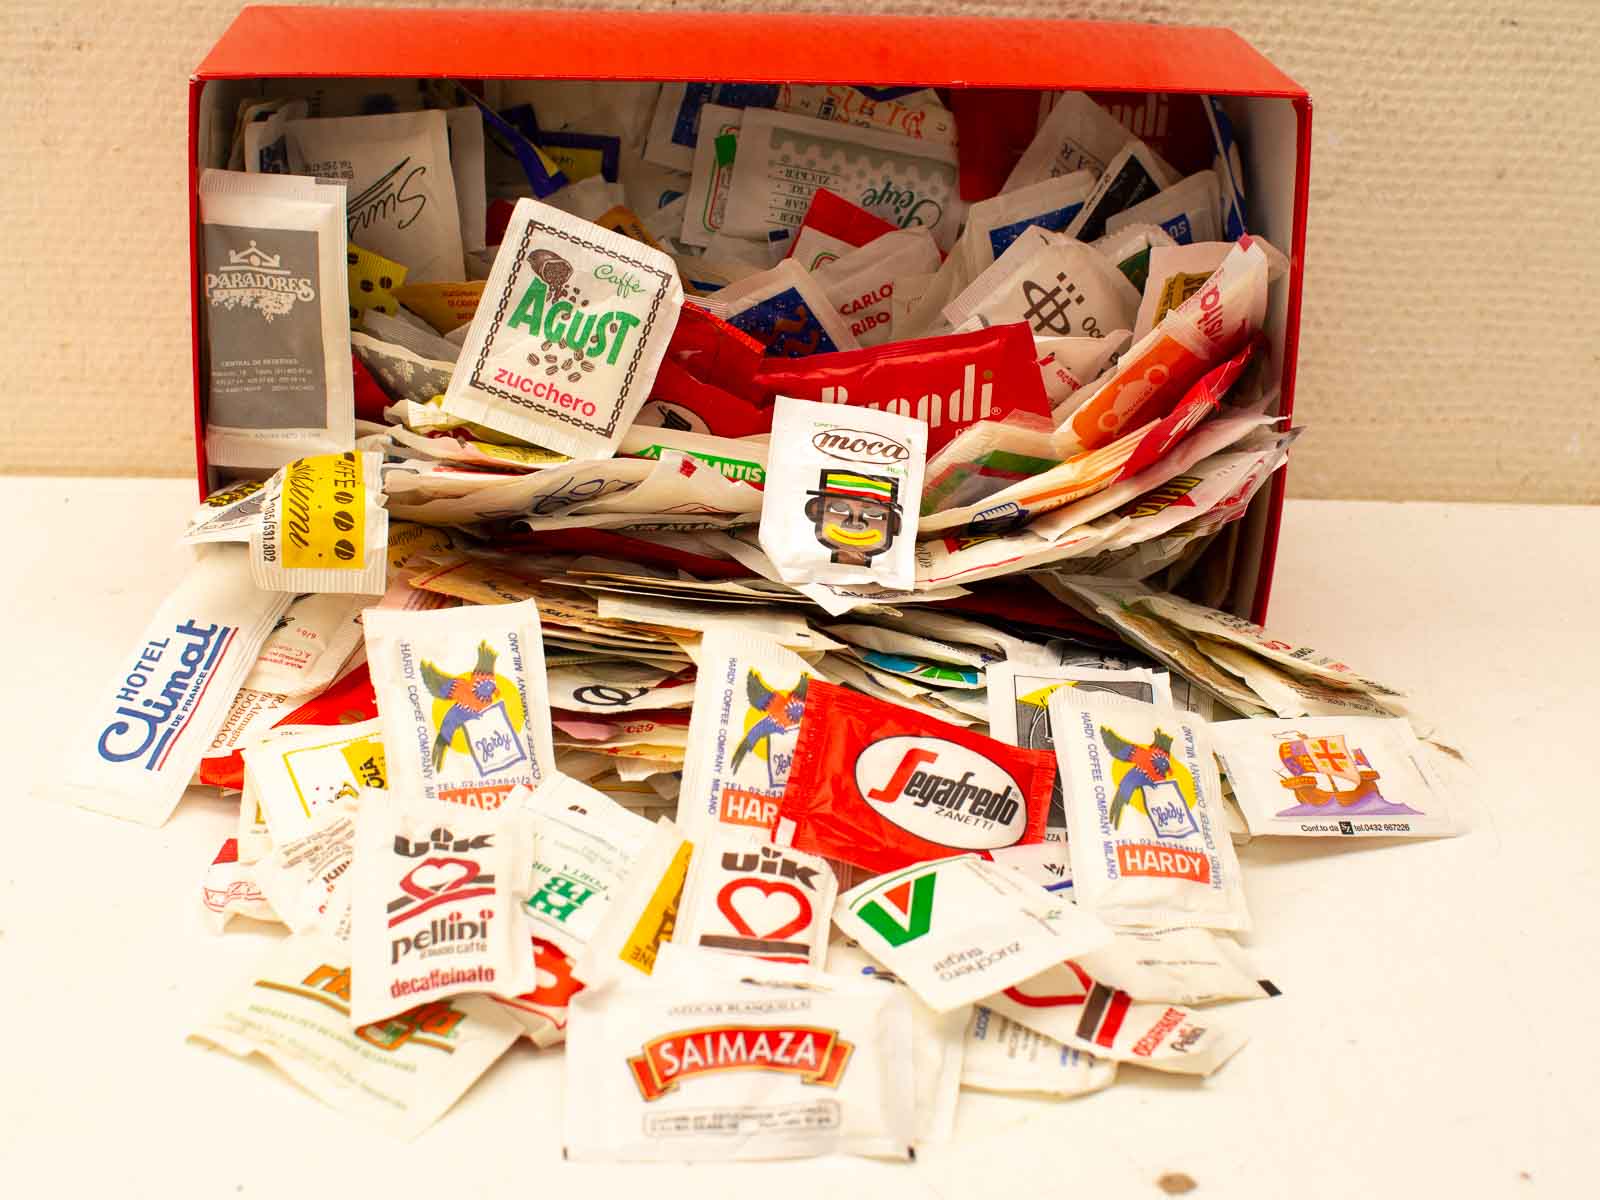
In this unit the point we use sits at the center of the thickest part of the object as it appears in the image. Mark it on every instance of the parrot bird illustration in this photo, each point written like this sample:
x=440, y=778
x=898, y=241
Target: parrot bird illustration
x=780, y=713
x=469, y=694
x=1146, y=765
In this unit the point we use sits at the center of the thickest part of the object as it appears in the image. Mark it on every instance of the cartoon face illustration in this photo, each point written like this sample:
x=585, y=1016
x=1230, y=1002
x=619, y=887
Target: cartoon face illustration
x=855, y=516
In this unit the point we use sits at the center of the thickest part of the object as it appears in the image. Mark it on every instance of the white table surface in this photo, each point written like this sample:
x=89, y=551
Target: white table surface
x=1436, y=1035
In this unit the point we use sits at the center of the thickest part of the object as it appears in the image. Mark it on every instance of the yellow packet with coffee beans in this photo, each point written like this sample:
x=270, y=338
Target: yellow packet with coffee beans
x=373, y=282
x=323, y=527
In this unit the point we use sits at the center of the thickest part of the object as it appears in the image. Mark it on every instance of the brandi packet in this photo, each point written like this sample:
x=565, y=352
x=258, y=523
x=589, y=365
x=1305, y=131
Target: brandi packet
x=274, y=316
x=840, y=500
x=435, y=907
x=566, y=339
x=462, y=696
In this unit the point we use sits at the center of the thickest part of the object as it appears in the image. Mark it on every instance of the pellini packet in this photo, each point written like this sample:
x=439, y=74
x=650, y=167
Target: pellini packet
x=147, y=731
x=749, y=695
x=462, y=695
x=745, y=896
x=1144, y=819
x=699, y=1066
x=403, y=1073
x=840, y=500
x=323, y=527
x=435, y=909
x=572, y=324
x=882, y=787
x=960, y=929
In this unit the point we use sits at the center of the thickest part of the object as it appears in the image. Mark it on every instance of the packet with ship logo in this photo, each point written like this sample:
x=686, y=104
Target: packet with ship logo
x=840, y=504
x=745, y=896
x=402, y=1074
x=435, y=906
x=566, y=339
x=323, y=527
x=275, y=319
x=462, y=695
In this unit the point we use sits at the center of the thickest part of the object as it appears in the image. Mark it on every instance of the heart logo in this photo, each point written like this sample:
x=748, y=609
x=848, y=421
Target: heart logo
x=767, y=887
x=433, y=876
x=1046, y=1000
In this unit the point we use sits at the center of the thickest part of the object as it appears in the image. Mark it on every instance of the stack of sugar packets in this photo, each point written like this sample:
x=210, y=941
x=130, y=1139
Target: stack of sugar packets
x=576, y=635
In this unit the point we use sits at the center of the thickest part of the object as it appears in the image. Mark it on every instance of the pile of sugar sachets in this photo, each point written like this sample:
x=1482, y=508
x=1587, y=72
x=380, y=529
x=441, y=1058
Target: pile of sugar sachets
x=581, y=622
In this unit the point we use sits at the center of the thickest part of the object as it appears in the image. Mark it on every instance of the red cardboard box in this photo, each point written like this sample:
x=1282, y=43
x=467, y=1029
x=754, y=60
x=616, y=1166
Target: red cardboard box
x=1140, y=72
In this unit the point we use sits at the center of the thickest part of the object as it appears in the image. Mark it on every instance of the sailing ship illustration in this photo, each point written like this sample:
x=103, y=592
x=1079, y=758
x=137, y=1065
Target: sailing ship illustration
x=1324, y=771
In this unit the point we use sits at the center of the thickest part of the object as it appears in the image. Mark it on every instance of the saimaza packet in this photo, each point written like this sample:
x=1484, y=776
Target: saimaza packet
x=274, y=319
x=147, y=731
x=1345, y=776
x=1143, y=814
x=402, y=1074
x=745, y=896
x=958, y=929
x=462, y=697
x=436, y=904
x=840, y=503
x=584, y=845
x=573, y=323
x=1003, y=1056
x=749, y=695
x=323, y=527
x=702, y=1067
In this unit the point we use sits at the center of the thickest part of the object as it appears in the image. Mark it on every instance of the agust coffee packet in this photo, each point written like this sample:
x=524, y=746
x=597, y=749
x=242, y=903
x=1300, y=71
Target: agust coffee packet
x=745, y=896
x=840, y=504
x=566, y=339
x=462, y=696
x=881, y=786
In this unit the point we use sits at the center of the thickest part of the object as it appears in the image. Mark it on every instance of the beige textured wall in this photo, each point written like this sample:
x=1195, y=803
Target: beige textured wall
x=1449, y=347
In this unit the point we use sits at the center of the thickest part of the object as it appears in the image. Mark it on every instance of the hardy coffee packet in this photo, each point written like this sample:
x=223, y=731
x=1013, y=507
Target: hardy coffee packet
x=745, y=896
x=749, y=695
x=149, y=728
x=1344, y=776
x=436, y=904
x=999, y=1055
x=323, y=527
x=402, y=1074
x=700, y=1066
x=274, y=318
x=880, y=786
x=840, y=503
x=566, y=339
x=1144, y=814
x=462, y=695
x=959, y=929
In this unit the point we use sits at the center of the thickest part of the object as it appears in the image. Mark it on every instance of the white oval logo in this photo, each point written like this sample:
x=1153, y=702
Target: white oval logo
x=942, y=792
x=854, y=445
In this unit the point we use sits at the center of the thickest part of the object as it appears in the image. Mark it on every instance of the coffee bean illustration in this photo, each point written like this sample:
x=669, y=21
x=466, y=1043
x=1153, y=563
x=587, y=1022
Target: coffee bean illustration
x=342, y=549
x=344, y=522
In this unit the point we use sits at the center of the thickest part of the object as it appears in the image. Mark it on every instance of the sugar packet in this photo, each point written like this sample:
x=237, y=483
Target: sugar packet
x=861, y=283
x=749, y=696
x=305, y=866
x=229, y=890
x=839, y=504
x=1187, y=210
x=1175, y=273
x=436, y=904
x=403, y=1074
x=1344, y=776
x=1050, y=204
x=714, y=153
x=1135, y=174
x=1187, y=966
x=563, y=346
x=1078, y=135
x=323, y=527
x=784, y=308
x=462, y=695
x=1060, y=289
x=147, y=731
x=642, y=913
x=702, y=1066
x=275, y=326
x=1143, y=814
x=958, y=929
x=999, y=1055
x=299, y=770
x=747, y=897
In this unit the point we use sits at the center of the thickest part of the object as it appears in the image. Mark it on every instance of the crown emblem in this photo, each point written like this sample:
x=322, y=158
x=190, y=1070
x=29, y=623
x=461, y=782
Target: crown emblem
x=256, y=259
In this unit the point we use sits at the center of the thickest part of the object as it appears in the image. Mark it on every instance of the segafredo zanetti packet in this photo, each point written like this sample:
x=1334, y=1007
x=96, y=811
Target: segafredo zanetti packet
x=743, y=895
x=1143, y=814
x=584, y=845
x=841, y=499
x=1066, y=1003
x=461, y=692
x=999, y=1055
x=323, y=527
x=567, y=336
x=749, y=695
x=1332, y=777
x=148, y=728
x=435, y=907
x=958, y=929
x=700, y=1066
x=403, y=1073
